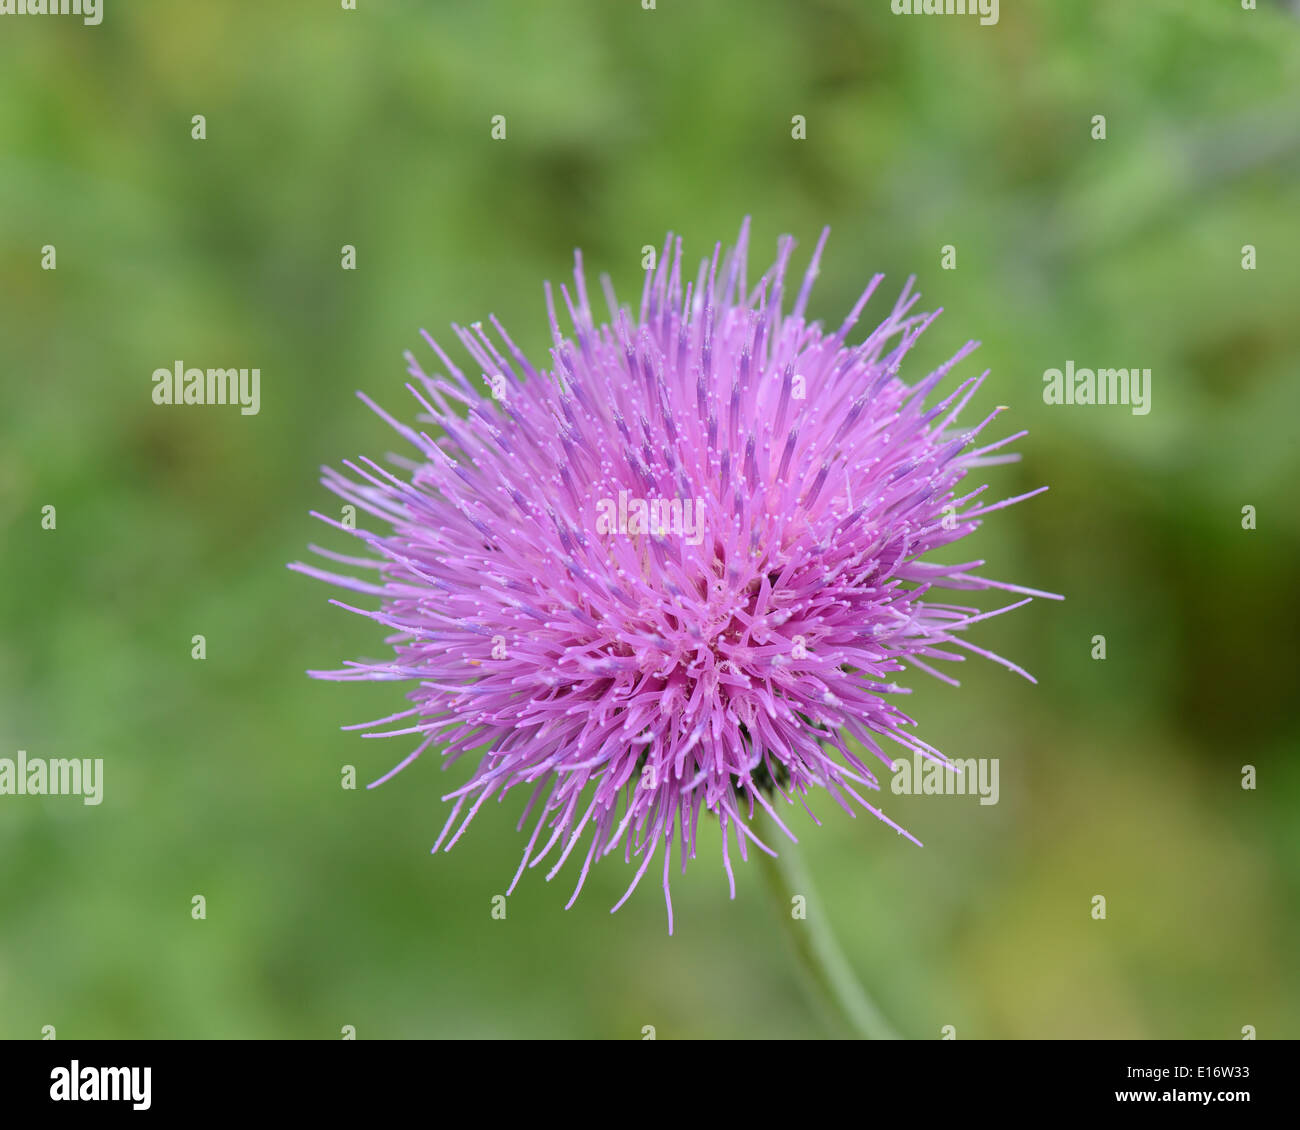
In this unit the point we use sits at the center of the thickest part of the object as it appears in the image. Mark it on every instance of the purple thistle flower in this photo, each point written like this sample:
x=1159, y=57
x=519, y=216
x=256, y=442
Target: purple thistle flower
x=678, y=570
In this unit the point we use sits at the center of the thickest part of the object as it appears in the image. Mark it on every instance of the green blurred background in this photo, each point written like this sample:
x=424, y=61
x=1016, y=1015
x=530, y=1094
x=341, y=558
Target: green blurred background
x=328, y=127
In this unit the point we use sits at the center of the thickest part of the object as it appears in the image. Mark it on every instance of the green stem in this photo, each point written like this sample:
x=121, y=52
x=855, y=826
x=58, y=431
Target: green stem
x=819, y=953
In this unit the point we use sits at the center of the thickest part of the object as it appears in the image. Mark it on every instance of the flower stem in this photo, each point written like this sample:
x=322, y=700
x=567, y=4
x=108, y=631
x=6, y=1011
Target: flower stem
x=819, y=952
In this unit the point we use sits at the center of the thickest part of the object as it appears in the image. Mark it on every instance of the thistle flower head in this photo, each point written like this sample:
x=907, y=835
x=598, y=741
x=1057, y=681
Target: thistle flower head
x=683, y=568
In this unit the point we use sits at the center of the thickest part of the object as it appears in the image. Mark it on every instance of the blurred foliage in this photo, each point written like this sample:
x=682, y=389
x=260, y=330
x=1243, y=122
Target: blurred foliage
x=328, y=127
